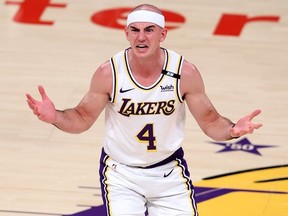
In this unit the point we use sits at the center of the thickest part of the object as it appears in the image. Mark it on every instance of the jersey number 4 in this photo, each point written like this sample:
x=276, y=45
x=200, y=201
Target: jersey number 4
x=146, y=135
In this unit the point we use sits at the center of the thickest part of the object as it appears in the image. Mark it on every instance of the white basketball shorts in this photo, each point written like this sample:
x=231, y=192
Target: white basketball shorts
x=161, y=190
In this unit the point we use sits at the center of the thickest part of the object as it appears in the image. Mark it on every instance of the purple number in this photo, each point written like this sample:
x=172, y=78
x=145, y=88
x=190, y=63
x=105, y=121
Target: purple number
x=147, y=135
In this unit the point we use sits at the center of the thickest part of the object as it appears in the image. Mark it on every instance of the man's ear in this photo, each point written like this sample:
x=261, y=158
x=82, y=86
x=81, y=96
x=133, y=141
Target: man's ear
x=163, y=34
x=126, y=32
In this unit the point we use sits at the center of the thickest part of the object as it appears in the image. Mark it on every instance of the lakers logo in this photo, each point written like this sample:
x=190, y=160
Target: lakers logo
x=146, y=108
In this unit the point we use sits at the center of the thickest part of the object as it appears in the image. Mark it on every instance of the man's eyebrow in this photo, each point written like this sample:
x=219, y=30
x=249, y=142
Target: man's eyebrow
x=132, y=27
x=151, y=26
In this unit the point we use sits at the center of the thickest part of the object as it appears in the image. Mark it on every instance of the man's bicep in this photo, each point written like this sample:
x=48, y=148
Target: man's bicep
x=97, y=97
x=91, y=106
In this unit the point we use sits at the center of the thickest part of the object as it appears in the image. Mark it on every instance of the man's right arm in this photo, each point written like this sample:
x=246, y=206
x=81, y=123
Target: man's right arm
x=81, y=117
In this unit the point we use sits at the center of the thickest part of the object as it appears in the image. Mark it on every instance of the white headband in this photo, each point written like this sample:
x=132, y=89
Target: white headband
x=146, y=16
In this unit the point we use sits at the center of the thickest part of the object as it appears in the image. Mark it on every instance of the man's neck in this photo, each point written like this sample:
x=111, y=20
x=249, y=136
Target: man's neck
x=146, y=70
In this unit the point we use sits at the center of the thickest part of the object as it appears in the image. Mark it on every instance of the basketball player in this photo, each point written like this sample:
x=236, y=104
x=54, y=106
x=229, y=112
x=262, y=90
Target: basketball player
x=143, y=90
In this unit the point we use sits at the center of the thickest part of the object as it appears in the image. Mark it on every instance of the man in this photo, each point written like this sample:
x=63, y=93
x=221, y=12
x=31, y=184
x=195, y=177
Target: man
x=143, y=90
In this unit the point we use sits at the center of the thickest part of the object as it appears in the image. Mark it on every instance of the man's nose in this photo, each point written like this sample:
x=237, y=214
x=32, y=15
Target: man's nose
x=141, y=35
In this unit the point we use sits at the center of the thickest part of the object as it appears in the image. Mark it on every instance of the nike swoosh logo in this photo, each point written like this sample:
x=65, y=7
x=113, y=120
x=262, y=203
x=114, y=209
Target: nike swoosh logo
x=126, y=90
x=166, y=175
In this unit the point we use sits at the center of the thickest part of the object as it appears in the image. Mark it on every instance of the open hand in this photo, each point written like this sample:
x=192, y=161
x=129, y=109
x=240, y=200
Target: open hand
x=245, y=125
x=44, y=109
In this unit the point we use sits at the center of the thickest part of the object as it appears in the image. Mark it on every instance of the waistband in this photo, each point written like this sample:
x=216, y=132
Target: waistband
x=178, y=154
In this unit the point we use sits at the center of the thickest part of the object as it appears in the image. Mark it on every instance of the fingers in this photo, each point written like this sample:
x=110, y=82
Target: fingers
x=30, y=99
x=253, y=127
x=258, y=125
x=42, y=92
x=254, y=114
x=33, y=103
x=30, y=104
x=33, y=107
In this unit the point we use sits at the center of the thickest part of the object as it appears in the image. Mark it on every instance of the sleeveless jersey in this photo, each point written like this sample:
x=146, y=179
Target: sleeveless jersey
x=144, y=125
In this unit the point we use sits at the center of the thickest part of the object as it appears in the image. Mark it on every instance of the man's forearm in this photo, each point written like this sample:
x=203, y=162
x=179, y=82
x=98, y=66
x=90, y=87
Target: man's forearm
x=70, y=121
x=219, y=130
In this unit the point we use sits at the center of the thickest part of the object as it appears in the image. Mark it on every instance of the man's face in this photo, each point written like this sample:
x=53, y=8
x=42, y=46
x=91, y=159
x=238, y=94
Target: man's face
x=145, y=37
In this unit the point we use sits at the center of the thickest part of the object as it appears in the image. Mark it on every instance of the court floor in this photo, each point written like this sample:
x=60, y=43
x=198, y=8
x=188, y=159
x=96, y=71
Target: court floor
x=241, y=50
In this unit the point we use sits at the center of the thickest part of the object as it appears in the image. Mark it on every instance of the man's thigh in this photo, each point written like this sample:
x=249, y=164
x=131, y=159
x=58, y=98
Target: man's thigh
x=172, y=193
x=121, y=196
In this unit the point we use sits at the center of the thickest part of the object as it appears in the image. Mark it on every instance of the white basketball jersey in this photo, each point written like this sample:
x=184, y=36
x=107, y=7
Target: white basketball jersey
x=144, y=125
